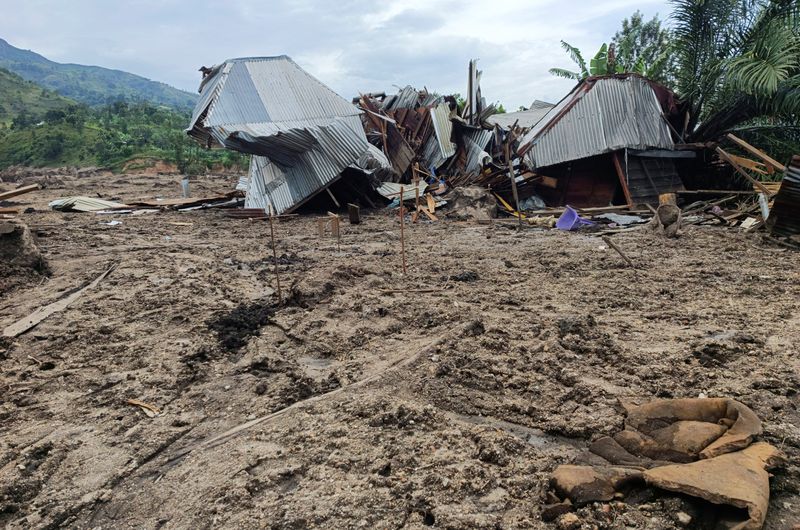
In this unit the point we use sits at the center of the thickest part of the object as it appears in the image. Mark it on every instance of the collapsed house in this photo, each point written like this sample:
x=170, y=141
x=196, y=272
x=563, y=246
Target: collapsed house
x=524, y=119
x=607, y=142
x=302, y=135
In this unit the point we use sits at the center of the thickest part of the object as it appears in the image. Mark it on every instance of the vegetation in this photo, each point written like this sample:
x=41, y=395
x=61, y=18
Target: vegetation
x=109, y=136
x=738, y=66
x=639, y=47
x=735, y=65
x=644, y=48
x=23, y=98
x=91, y=85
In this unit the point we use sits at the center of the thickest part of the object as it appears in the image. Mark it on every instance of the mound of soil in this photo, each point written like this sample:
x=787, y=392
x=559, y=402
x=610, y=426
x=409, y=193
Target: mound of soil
x=21, y=261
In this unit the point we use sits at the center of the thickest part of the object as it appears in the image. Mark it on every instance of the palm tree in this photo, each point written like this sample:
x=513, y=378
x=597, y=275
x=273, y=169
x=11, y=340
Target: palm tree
x=737, y=65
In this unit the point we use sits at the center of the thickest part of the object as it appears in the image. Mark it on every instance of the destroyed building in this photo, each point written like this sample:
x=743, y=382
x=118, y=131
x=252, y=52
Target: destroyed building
x=607, y=142
x=302, y=135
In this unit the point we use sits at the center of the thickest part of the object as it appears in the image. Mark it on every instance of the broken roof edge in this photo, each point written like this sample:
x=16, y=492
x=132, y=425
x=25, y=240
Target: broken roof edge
x=214, y=84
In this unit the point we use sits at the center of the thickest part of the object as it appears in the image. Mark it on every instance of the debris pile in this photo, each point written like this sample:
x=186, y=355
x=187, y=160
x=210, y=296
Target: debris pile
x=703, y=448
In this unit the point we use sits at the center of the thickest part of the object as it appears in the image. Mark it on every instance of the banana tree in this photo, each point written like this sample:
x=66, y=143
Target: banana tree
x=603, y=63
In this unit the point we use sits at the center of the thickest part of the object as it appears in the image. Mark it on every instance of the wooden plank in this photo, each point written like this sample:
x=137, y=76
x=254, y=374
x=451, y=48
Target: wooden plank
x=9, y=210
x=354, y=213
x=429, y=214
x=756, y=152
x=622, y=181
x=752, y=165
x=333, y=198
x=19, y=191
x=548, y=182
x=722, y=153
x=21, y=326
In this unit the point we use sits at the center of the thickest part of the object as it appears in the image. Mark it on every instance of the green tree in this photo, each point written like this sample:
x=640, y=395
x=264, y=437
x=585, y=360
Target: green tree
x=644, y=47
x=737, y=66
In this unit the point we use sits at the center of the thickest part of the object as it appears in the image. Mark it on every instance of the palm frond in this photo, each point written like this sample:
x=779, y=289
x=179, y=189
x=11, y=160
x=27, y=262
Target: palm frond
x=773, y=58
x=566, y=74
x=576, y=56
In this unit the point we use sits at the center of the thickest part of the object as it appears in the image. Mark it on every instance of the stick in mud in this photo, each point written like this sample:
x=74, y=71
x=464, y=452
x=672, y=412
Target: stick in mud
x=402, y=229
x=275, y=255
x=619, y=251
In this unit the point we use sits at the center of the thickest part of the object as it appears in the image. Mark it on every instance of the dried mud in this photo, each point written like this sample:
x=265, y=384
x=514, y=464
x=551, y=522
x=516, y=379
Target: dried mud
x=402, y=407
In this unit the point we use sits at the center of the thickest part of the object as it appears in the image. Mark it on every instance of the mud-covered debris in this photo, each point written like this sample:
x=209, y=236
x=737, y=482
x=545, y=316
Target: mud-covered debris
x=21, y=261
x=234, y=328
x=465, y=276
x=474, y=328
x=697, y=447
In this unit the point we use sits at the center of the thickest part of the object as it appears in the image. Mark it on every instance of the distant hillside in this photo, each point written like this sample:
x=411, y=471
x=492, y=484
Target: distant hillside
x=110, y=136
x=92, y=85
x=19, y=97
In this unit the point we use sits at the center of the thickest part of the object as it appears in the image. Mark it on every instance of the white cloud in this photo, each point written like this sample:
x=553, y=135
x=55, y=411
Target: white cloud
x=351, y=45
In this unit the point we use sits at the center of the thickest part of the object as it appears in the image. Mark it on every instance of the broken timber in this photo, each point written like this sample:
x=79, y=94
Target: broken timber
x=21, y=326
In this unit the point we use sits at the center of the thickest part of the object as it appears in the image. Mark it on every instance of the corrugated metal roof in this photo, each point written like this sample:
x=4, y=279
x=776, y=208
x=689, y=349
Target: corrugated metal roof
x=524, y=118
x=409, y=98
x=784, y=219
x=303, y=134
x=599, y=116
x=476, y=141
x=443, y=129
x=83, y=204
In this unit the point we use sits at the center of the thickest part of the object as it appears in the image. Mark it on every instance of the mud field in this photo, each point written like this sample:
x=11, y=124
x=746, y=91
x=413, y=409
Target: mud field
x=442, y=398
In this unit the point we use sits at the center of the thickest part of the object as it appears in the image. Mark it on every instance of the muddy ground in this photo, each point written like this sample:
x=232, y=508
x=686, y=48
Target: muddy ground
x=441, y=398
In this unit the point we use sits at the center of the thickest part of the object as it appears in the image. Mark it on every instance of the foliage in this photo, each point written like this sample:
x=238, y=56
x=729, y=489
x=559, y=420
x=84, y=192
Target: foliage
x=644, y=48
x=737, y=65
x=603, y=63
x=21, y=100
x=109, y=136
x=91, y=85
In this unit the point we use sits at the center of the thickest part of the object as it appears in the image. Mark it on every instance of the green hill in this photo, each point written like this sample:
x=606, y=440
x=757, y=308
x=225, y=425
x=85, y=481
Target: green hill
x=91, y=85
x=110, y=136
x=20, y=98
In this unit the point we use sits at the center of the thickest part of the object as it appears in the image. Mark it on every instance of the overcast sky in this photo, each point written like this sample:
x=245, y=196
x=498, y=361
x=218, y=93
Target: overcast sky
x=351, y=45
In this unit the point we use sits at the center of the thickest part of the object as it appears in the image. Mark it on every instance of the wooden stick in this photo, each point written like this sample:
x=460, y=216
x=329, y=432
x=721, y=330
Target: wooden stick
x=335, y=223
x=391, y=291
x=416, y=185
x=507, y=150
x=19, y=191
x=275, y=256
x=743, y=173
x=619, y=251
x=40, y=314
x=757, y=152
x=402, y=231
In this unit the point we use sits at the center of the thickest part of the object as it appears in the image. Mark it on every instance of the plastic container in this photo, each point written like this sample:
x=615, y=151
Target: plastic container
x=570, y=220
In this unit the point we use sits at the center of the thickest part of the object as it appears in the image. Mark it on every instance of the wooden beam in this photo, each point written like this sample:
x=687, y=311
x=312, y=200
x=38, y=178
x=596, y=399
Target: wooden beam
x=21, y=326
x=622, y=180
x=726, y=157
x=757, y=152
x=333, y=198
x=19, y=191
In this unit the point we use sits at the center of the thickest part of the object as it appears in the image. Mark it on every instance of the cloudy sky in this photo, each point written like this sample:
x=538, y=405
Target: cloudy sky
x=351, y=45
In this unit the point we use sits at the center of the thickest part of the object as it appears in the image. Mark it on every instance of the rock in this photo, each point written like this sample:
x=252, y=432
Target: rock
x=569, y=521
x=683, y=518
x=550, y=512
